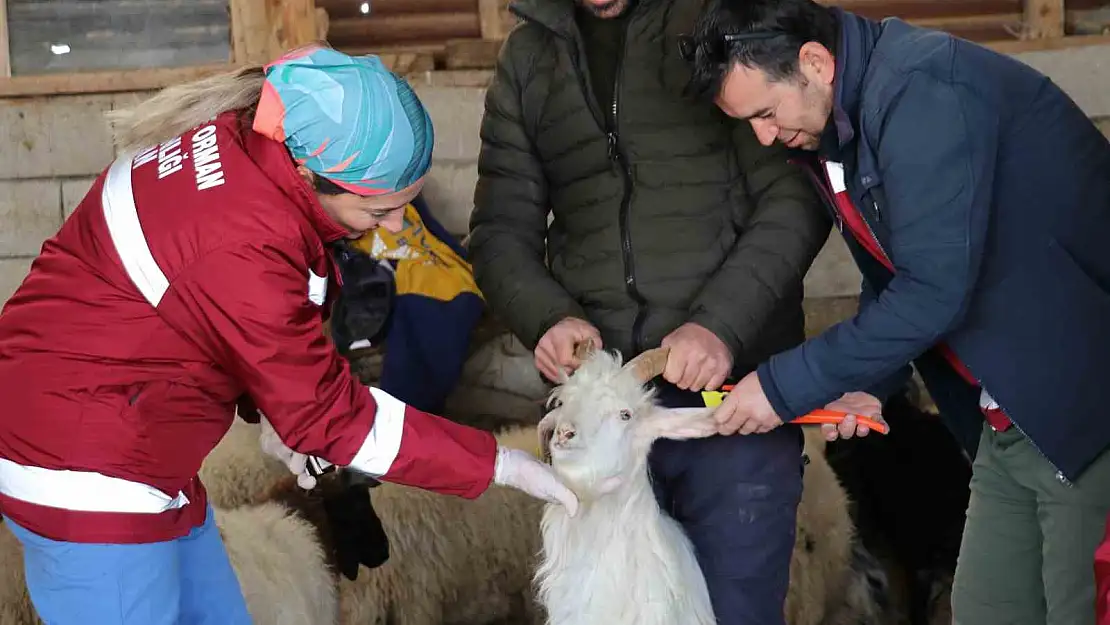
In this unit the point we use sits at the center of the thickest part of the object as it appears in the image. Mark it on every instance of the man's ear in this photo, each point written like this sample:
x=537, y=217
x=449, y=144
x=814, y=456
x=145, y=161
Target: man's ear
x=680, y=423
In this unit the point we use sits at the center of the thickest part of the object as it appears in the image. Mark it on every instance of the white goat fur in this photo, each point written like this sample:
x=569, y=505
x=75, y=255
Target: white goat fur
x=621, y=559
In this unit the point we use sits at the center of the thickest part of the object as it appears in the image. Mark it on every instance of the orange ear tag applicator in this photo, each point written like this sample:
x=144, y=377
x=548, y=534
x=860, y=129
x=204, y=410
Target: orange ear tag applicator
x=817, y=417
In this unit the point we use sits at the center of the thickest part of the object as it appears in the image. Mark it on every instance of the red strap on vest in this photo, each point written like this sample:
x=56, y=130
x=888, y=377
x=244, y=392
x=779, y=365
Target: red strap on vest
x=851, y=217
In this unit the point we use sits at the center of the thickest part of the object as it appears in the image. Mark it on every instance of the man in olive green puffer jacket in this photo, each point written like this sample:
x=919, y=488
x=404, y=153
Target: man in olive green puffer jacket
x=671, y=226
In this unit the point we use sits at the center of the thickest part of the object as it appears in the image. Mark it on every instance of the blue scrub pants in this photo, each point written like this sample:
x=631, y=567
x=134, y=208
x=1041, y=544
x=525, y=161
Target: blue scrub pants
x=187, y=581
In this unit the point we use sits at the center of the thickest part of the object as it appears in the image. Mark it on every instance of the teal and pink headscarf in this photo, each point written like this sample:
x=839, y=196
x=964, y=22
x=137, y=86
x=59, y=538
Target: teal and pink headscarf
x=348, y=119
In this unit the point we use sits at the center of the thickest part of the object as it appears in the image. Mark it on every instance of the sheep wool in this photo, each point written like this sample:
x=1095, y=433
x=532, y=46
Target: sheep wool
x=452, y=562
x=15, y=603
x=281, y=565
x=822, y=542
x=237, y=471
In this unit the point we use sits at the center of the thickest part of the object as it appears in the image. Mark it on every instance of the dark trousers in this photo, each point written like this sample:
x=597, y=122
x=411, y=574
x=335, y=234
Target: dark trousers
x=737, y=498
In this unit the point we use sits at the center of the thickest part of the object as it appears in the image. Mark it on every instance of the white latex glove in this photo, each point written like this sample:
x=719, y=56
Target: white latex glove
x=523, y=471
x=272, y=444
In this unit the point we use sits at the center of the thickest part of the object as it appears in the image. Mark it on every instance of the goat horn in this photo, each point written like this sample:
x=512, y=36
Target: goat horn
x=649, y=364
x=583, y=350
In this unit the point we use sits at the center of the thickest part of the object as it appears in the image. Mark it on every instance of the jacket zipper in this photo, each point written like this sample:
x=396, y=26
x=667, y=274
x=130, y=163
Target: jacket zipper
x=840, y=224
x=1059, y=474
x=619, y=159
x=612, y=137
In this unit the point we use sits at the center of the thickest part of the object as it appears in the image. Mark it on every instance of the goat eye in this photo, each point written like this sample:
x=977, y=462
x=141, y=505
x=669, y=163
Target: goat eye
x=626, y=415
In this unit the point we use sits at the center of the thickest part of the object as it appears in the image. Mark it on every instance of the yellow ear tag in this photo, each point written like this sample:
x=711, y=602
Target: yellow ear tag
x=713, y=398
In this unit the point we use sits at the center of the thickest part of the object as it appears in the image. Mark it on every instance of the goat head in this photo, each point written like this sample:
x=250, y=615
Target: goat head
x=656, y=422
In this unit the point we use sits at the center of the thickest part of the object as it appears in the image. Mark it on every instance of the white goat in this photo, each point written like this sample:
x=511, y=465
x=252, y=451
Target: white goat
x=620, y=559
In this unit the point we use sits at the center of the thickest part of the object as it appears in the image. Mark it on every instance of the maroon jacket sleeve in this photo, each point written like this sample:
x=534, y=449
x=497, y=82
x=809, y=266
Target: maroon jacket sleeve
x=248, y=307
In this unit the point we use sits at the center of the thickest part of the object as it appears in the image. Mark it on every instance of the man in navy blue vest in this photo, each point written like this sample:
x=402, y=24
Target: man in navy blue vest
x=975, y=198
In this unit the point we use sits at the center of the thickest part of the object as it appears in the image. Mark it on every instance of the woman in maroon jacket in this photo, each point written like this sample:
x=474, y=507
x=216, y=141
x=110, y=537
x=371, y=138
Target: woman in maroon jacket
x=195, y=272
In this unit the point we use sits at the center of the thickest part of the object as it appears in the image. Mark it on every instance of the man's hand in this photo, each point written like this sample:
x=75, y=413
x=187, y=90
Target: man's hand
x=521, y=470
x=555, y=351
x=746, y=410
x=854, y=403
x=698, y=360
x=272, y=444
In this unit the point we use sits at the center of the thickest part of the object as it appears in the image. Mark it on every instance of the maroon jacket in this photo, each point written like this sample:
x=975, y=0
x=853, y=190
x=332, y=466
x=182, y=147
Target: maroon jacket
x=191, y=273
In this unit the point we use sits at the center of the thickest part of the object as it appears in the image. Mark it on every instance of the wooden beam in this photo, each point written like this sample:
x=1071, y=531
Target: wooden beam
x=471, y=53
x=379, y=8
x=403, y=63
x=105, y=82
x=323, y=21
x=1044, y=45
x=251, y=37
x=977, y=28
x=491, y=13
x=5, y=43
x=388, y=30
x=1044, y=19
x=294, y=23
x=925, y=9
x=262, y=30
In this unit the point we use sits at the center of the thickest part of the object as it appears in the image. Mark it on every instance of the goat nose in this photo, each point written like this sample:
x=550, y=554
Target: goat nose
x=564, y=434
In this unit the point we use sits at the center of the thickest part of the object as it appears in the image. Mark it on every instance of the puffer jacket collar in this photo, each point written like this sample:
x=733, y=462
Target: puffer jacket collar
x=858, y=37
x=555, y=15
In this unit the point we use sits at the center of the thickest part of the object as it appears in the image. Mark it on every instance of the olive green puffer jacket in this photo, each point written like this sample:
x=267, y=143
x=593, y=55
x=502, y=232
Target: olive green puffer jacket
x=676, y=214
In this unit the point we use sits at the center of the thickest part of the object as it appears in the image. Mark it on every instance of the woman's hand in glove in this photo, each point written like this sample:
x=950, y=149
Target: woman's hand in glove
x=272, y=444
x=523, y=471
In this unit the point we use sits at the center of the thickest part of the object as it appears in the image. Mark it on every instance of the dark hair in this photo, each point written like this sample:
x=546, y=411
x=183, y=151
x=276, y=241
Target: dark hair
x=760, y=34
x=327, y=187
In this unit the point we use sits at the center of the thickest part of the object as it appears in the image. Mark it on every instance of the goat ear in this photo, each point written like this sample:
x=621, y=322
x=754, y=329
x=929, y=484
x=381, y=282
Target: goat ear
x=681, y=423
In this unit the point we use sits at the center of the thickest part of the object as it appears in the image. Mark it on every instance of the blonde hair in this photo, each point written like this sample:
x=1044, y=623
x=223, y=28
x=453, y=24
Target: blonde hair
x=176, y=109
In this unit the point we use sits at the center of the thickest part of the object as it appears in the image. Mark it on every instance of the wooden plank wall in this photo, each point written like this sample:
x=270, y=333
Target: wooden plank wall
x=466, y=34
x=5, y=44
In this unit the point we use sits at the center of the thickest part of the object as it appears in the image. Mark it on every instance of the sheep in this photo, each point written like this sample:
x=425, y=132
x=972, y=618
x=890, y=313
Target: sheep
x=910, y=491
x=453, y=561
x=822, y=540
x=281, y=563
x=236, y=471
x=15, y=603
x=622, y=560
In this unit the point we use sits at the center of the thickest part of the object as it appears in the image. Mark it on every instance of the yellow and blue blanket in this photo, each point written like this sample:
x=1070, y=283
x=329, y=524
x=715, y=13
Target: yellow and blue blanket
x=435, y=307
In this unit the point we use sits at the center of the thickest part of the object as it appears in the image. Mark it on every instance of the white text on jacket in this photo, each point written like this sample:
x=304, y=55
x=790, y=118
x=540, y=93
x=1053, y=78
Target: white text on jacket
x=206, y=159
